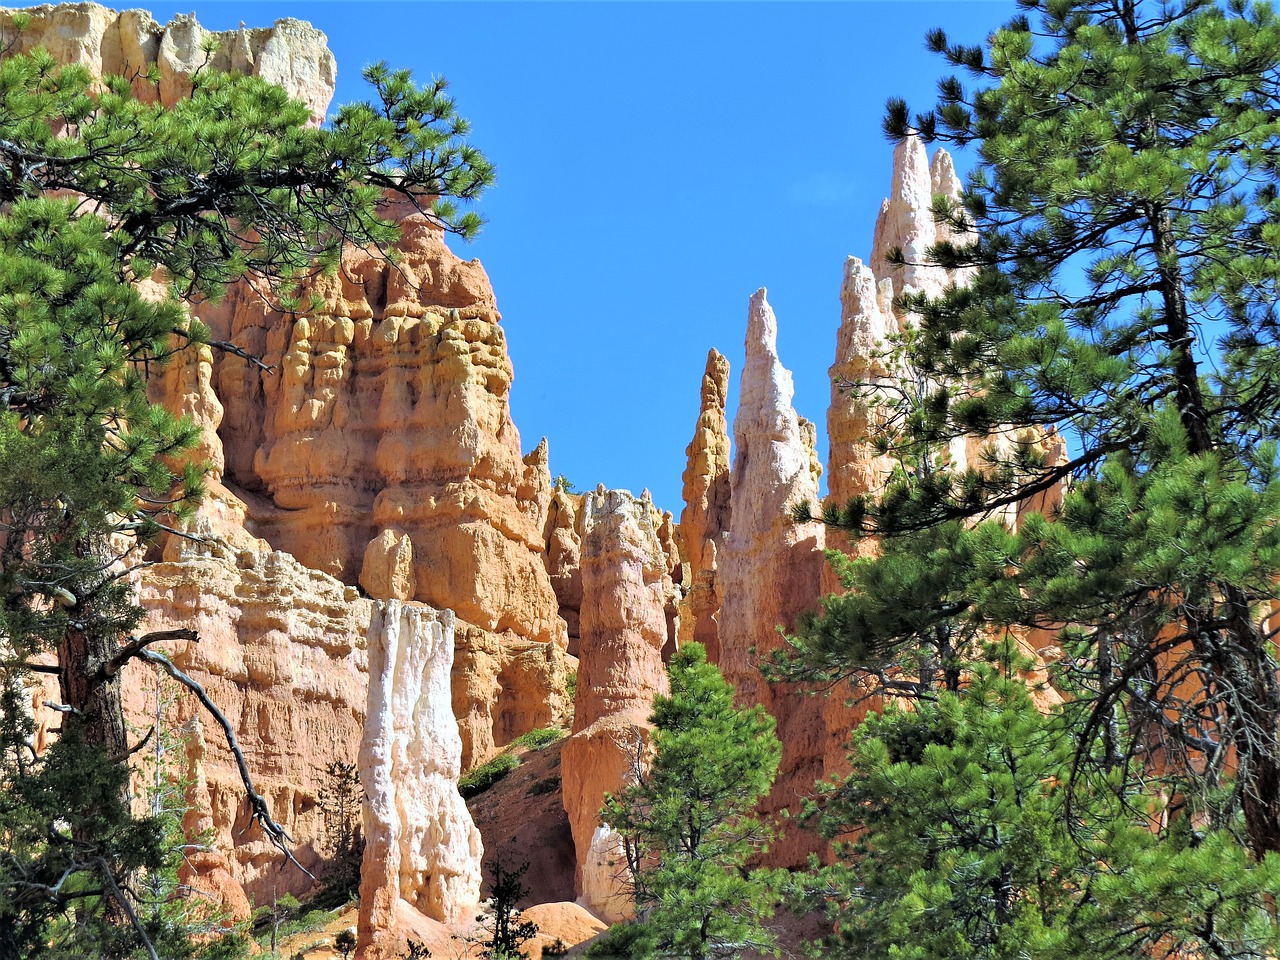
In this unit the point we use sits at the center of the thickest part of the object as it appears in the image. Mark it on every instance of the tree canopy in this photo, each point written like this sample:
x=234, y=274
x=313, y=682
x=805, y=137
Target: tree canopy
x=1125, y=253
x=687, y=825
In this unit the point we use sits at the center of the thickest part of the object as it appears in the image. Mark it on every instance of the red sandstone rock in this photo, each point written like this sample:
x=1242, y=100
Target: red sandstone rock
x=625, y=586
x=770, y=567
x=282, y=653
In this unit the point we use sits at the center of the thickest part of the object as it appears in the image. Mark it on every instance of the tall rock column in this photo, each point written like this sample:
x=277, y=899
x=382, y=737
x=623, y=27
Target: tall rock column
x=421, y=845
x=623, y=630
x=706, y=512
x=771, y=567
x=867, y=320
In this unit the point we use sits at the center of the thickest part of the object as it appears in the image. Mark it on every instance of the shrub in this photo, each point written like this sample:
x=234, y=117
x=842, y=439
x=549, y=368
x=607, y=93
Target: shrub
x=549, y=785
x=487, y=774
x=537, y=739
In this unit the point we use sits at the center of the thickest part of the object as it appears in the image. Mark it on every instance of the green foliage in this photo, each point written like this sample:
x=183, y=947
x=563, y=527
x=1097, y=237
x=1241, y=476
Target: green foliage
x=97, y=191
x=288, y=917
x=1125, y=261
x=487, y=774
x=970, y=844
x=345, y=943
x=686, y=820
x=508, y=929
x=571, y=686
x=537, y=739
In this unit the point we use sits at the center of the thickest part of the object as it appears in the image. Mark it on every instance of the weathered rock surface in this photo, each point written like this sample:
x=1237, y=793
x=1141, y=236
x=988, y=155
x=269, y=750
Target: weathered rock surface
x=291, y=54
x=706, y=515
x=771, y=567
x=282, y=652
x=868, y=321
x=385, y=454
x=421, y=845
x=563, y=558
x=625, y=585
x=523, y=820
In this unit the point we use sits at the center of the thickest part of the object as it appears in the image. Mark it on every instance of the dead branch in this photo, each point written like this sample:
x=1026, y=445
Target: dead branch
x=227, y=346
x=136, y=644
x=257, y=803
x=118, y=896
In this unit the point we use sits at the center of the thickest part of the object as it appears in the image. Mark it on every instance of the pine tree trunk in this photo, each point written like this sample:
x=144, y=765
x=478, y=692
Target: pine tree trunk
x=95, y=698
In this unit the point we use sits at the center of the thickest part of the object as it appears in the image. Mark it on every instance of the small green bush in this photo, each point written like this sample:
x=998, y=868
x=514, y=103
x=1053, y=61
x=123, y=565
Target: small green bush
x=537, y=739
x=487, y=774
x=616, y=943
x=549, y=785
x=571, y=685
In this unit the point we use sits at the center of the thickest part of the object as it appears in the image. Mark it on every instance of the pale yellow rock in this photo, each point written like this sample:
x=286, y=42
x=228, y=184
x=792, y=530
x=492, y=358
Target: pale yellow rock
x=388, y=570
x=705, y=518
x=563, y=556
x=291, y=54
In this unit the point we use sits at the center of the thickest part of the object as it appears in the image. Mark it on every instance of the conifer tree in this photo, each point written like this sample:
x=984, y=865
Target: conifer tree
x=687, y=824
x=971, y=843
x=99, y=190
x=1124, y=292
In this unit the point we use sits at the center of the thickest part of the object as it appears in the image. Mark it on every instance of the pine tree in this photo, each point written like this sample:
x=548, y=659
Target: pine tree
x=686, y=820
x=98, y=191
x=509, y=929
x=970, y=843
x=1124, y=292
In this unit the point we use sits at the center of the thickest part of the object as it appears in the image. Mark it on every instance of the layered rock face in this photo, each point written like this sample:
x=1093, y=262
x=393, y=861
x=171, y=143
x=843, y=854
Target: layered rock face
x=421, y=845
x=771, y=567
x=377, y=458
x=383, y=453
x=282, y=652
x=706, y=515
x=307, y=672
x=291, y=54
x=625, y=588
x=563, y=559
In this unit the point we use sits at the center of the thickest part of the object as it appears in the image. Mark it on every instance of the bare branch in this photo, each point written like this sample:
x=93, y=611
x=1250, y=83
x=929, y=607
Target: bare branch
x=257, y=803
x=227, y=346
x=135, y=644
x=119, y=897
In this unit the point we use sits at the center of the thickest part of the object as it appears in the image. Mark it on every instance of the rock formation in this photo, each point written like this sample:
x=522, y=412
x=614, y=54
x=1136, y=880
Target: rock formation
x=625, y=586
x=291, y=54
x=706, y=512
x=563, y=538
x=282, y=653
x=383, y=453
x=770, y=568
x=421, y=846
x=867, y=321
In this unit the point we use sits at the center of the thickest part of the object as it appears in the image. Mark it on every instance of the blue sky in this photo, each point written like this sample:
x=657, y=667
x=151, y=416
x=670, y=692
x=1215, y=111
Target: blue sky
x=657, y=163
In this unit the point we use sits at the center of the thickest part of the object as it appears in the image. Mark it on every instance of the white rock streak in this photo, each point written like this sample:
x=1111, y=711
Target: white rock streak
x=421, y=845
